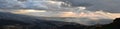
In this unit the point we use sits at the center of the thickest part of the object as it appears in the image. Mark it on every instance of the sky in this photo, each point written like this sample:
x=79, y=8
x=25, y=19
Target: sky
x=93, y=5
x=90, y=12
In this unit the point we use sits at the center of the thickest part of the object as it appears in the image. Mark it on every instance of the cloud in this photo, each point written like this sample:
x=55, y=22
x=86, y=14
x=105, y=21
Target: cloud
x=92, y=5
x=95, y=5
x=84, y=17
x=52, y=11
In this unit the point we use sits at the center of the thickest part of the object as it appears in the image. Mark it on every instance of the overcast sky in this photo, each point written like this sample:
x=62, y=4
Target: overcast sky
x=93, y=5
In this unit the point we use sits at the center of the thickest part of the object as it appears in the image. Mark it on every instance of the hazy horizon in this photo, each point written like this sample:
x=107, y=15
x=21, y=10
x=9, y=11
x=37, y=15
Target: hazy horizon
x=89, y=11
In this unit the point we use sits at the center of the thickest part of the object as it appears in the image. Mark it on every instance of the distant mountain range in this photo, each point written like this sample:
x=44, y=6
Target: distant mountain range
x=15, y=19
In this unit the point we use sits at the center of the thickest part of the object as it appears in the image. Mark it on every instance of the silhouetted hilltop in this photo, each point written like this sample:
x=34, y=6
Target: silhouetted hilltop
x=114, y=25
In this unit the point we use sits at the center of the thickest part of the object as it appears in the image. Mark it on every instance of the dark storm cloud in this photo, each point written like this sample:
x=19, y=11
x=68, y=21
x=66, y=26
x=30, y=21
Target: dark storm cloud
x=95, y=5
x=92, y=5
